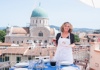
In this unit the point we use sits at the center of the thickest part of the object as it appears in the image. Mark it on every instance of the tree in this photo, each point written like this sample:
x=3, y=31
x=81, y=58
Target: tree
x=77, y=39
x=2, y=35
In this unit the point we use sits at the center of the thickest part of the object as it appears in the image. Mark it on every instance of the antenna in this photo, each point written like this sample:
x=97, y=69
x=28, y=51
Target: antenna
x=39, y=4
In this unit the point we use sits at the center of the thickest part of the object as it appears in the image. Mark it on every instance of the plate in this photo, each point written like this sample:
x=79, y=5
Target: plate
x=20, y=69
x=69, y=68
x=46, y=60
x=65, y=63
x=21, y=65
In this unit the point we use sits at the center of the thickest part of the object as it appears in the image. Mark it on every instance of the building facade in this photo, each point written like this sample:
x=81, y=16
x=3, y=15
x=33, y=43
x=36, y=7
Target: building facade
x=38, y=31
x=95, y=56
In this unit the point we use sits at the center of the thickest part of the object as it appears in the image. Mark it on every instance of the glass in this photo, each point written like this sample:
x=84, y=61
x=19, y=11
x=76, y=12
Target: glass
x=53, y=62
x=40, y=65
x=54, y=41
x=31, y=64
x=58, y=65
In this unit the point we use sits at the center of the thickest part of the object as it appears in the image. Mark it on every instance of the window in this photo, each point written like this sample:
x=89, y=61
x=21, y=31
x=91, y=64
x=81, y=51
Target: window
x=6, y=58
x=45, y=41
x=13, y=42
x=22, y=41
x=33, y=21
x=47, y=22
x=43, y=21
x=93, y=36
x=6, y=69
x=29, y=58
x=18, y=59
x=40, y=21
x=36, y=21
x=3, y=59
x=97, y=47
x=40, y=41
x=17, y=42
x=35, y=41
x=40, y=34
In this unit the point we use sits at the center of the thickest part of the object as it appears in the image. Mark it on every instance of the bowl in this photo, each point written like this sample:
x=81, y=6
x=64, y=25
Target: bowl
x=53, y=63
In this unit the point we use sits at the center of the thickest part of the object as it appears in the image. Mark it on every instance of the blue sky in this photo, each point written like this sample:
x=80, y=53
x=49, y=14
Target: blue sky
x=18, y=12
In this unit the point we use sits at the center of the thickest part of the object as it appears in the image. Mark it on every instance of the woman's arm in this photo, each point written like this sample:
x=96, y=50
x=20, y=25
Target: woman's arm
x=57, y=38
x=72, y=40
x=72, y=45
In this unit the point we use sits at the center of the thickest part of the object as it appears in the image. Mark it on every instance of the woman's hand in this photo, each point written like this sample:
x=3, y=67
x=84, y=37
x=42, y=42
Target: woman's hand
x=72, y=45
x=54, y=41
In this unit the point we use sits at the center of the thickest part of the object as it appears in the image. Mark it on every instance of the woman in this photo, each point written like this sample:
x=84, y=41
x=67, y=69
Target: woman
x=65, y=42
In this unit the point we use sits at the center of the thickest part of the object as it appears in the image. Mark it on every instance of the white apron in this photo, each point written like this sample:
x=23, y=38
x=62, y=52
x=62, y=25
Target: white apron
x=64, y=51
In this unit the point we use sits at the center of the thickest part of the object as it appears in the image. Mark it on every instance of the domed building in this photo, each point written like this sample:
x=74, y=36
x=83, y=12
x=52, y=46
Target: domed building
x=38, y=31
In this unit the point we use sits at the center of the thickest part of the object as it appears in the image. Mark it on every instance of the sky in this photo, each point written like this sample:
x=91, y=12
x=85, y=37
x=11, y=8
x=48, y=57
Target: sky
x=80, y=15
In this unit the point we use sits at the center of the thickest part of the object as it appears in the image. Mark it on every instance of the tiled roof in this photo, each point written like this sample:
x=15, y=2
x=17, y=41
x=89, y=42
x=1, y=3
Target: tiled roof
x=52, y=32
x=93, y=34
x=1, y=51
x=39, y=50
x=84, y=38
x=36, y=51
x=15, y=50
x=30, y=51
x=5, y=44
x=20, y=30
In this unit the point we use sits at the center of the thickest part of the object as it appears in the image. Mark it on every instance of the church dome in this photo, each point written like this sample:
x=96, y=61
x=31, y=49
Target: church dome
x=39, y=12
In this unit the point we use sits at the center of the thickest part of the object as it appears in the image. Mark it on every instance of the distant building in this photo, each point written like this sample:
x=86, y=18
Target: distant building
x=93, y=37
x=96, y=32
x=22, y=54
x=95, y=56
x=38, y=31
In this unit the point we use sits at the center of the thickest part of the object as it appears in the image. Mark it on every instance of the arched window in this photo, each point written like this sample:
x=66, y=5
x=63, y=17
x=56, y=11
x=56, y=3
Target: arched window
x=33, y=21
x=17, y=42
x=40, y=21
x=21, y=41
x=43, y=21
x=36, y=21
x=40, y=34
x=35, y=41
x=45, y=41
x=13, y=41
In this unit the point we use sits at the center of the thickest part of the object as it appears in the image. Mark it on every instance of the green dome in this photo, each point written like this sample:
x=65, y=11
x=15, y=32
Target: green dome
x=39, y=12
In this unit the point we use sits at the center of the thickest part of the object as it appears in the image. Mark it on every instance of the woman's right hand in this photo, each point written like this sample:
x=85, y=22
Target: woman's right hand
x=54, y=41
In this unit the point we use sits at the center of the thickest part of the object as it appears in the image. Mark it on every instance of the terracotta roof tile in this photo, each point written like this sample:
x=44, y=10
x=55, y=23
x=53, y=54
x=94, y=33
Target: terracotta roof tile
x=5, y=44
x=93, y=34
x=15, y=50
x=1, y=51
x=20, y=30
x=38, y=50
x=52, y=32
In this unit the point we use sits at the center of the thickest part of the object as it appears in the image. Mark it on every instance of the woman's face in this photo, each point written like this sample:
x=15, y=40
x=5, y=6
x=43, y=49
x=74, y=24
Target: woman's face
x=66, y=27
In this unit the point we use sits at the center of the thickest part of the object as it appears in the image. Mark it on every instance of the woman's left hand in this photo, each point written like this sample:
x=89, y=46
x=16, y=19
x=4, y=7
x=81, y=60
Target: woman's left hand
x=72, y=45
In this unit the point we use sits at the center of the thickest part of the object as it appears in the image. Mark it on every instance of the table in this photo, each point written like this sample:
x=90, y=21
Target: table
x=49, y=67
x=54, y=68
